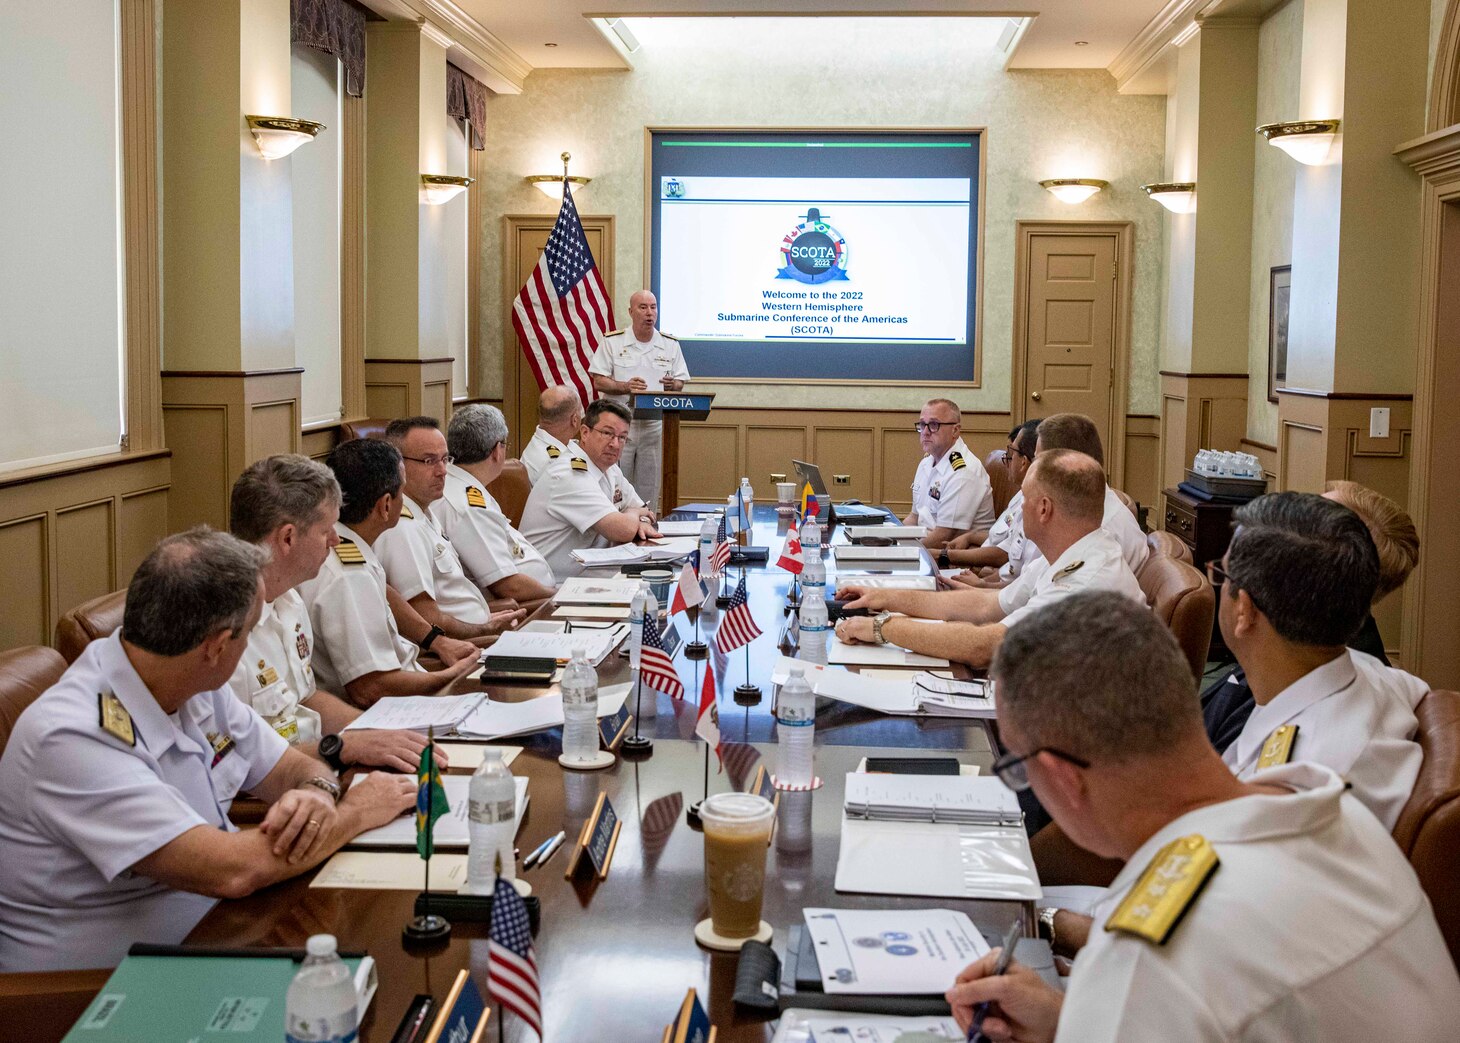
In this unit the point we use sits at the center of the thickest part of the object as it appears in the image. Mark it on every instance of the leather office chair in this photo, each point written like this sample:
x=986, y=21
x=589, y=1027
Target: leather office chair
x=511, y=489
x=1169, y=546
x=24, y=674
x=93, y=619
x=1182, y=598
x=1428, y=830
x=1000, y=479
x=370, y=427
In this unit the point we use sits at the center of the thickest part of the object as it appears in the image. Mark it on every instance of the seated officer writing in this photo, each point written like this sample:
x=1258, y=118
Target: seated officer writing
x=559, y=415
x=1064, y=496
x=359, y=648
x=117, y=781
x=496, y=557
x=950, y=492
x=584, y=500
x=1275, y=908
x=288, y=506
x=418, y=558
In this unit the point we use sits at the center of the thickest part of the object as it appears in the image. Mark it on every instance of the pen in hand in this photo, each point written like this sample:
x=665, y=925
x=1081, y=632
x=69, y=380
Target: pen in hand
x=1001, y=966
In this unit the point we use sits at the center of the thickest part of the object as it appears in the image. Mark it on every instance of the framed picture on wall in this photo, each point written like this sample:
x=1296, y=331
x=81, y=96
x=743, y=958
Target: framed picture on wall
x=1279, y=283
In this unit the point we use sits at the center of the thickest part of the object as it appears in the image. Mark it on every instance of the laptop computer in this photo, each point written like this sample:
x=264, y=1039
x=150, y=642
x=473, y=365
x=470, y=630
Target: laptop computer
x=848, y=513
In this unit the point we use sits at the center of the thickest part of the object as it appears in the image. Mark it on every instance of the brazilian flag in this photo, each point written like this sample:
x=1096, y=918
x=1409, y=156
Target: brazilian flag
x=430, y=800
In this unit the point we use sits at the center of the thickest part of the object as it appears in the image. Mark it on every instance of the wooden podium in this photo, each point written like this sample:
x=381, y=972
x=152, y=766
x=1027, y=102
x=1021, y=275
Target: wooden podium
x=671, y=406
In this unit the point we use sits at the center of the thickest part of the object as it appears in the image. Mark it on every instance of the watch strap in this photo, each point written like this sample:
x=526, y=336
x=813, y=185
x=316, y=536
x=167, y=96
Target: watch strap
x=332, y=752
x=319, y=782
x=431, y=635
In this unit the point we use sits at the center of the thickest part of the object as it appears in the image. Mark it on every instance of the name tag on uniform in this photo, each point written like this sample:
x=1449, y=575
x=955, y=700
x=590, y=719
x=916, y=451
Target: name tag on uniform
x=618, y=495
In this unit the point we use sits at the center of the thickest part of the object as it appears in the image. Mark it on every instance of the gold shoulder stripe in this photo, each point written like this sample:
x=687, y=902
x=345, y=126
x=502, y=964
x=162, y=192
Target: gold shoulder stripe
x=405, y=512
x=554, y=452
x=613, y=333
x=955, y=459
x=115, y=720
x=348, y=553
x=1278, y=748
x=1070, y=569
x=578, y=464
x=1166, y=890
x=668, y=336
x=474, y=497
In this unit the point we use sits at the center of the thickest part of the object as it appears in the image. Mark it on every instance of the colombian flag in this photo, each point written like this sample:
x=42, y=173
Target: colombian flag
x=810, y=505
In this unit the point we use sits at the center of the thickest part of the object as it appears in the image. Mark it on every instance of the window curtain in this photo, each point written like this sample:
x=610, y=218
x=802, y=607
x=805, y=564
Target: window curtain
x=466, y=99
x=335, y=27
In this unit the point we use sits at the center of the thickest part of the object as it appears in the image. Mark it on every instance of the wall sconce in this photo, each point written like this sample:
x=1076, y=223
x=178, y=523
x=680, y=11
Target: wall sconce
x=1307, y=141
x=277, y=136
x=1177, y=196
x=551, y=185
x=1073, y=189
x=440, y=188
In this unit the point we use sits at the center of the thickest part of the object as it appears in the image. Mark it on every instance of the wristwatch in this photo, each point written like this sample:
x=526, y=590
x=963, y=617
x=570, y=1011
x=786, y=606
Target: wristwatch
x=877, y=622
x=944, y=562
x=329, y=786
x=1046, y=923
x=431, y=635
x=332, y=748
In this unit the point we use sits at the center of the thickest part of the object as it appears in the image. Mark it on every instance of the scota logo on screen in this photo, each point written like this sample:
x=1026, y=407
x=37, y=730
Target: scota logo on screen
x=813, y=252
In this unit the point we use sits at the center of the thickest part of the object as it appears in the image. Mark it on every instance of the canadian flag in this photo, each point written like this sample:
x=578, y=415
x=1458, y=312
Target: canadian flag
x=791, y=558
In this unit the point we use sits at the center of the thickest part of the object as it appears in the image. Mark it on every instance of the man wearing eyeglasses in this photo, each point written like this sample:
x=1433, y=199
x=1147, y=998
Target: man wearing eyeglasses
x=996, y=557
x=584, y=500
x=951, y=492
x=1268, y=908
x=419, y=560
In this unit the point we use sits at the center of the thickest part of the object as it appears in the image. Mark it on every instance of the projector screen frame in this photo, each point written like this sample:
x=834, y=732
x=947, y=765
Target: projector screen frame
x=976, y=299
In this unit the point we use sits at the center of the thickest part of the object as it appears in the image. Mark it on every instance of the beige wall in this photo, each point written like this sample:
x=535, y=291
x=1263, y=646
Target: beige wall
x=1178, y=276
x=1041, y=124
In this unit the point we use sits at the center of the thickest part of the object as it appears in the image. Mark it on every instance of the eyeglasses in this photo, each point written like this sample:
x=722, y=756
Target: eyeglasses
x=1216, y=573
x=1009, y=455
x=932, y=427
x=1013, y=772
x=609, y=434
x=431, y=461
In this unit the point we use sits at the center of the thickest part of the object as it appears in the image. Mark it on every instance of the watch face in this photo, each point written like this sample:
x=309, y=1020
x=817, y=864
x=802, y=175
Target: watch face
x=330, y=745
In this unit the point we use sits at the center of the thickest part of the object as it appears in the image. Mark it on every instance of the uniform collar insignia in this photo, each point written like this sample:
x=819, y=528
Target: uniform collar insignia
x=1278, y=747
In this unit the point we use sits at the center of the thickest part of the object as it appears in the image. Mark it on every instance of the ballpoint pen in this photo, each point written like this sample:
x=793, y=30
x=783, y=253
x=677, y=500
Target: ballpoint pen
x=536, y=853
x=557, y=843
x=1001, y=967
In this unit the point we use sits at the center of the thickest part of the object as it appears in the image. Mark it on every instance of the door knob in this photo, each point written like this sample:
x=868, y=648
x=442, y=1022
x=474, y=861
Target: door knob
x=1034, y=395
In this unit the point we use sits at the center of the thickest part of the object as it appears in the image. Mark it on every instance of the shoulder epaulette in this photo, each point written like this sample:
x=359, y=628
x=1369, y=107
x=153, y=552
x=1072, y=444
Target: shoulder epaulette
x=669, y=336
x=1278, y=747
x=1166, y=890
x=1070, y=569
x=474, y=497
x=115, y=720
x=405, y=512
x=554, y=452
x=348, y=553
x=955, y=459
x=613, y=333
x=577, y=463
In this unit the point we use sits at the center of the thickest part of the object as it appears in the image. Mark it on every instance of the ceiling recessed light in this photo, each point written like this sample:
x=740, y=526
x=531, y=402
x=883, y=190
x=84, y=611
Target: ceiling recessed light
x=1082, y=43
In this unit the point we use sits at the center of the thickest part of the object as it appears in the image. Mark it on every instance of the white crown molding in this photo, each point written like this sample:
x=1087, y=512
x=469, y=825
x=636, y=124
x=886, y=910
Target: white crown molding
x=1172, y=21
x=1434, y=155
x=502, y=69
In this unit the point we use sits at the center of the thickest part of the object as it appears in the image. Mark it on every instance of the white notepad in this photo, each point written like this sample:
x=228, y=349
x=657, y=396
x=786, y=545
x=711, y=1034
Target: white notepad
x=581, y=590
x=878, y=655
x=891, y=532
x=898, y=692
x=859, y=553
x=451, y=828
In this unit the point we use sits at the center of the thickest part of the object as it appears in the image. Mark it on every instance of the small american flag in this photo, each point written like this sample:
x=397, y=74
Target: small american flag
x=563, y=311
x=512, y=964
x=655, y=666
x=721, y=556
x=737, y=627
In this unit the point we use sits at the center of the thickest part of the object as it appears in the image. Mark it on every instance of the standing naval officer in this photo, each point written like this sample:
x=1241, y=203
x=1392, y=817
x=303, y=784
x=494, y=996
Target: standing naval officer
x=636, y=360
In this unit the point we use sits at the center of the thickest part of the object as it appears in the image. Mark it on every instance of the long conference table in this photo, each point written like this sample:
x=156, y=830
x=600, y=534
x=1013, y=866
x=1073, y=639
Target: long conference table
x=615, y=956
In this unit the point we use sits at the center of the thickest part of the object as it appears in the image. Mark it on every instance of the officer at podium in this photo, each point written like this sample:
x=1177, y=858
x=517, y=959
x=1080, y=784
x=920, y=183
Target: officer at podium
x=636, y=360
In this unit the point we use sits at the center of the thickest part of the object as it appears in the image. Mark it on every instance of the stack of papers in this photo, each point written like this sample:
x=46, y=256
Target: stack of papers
x=581, y=590
x=857, y=552
x=498, y=720
x=892, y=532
x=420, y=713
x=558, y=644
x=892, y=952
x=680, y=528
x=452, y=830
x=972, y=800
x=631, y=553
x=845, y=654
x=903, y=582
x=812, y=1026
x=897, y=692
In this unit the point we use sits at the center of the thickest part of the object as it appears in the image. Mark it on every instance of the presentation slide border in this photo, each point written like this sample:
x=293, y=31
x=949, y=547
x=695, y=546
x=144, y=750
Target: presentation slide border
x=807, y=361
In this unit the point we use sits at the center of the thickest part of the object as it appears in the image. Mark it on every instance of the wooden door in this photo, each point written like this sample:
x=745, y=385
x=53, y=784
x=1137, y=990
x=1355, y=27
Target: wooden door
x=1070, y=323
x=522, y=246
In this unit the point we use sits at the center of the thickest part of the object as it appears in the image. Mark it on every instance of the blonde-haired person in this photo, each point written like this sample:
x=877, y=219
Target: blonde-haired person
x=1397, y=541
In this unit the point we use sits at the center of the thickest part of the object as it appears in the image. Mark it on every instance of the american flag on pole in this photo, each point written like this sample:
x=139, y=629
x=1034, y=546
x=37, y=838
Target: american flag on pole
x=563, y=311
x=655, y=666
x=512, y=964
x=738, y=627
x=721, y=556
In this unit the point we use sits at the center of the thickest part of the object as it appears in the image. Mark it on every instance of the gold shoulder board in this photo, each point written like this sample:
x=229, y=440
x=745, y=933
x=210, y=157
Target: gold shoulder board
x=554, y=452
x=955, y=458
x=474, y=497
x=1166, y=890
x=1070, y=569
x=578, y=464
x=405, y=512
x=613, y=333
x=348, y=553
x=1278, y=748
x=115, y=720
x=668, y=336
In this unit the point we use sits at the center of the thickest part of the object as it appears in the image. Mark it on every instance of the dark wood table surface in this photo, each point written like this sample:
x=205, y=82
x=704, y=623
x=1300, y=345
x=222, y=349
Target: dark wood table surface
x=616, y=956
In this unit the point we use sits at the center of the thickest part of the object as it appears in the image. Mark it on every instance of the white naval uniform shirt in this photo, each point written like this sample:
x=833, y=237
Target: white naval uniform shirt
x=945, y=495
x=489, y=547
x=1312, y=929
x=540, y=453
x=1354, y=716
x=276, y=674
x=622, y=356
x=1100, y=567
x=564, y=506
x=355, y=632
x=1008, y=535
x=419, y=559
x=1121, y=523
x=81, y=807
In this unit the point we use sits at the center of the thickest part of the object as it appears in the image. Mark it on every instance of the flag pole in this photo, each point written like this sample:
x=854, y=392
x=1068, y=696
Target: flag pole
x=638, y=745
x=692, y=813
x=747, y=694
x=426, y=927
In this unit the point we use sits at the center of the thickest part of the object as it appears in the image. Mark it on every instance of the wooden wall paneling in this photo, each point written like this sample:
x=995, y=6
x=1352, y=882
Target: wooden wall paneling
x=28, y=605
x=86, y=535
x=201, y=482
x=846, y=450
x=709, y=461
x=141, y=522
x=275, y=429
x=317, y=444
x=408, y=387
x=140, y=223
x=769, y=449
x=383, y=399
x=901, y=454
x=352, y=258
x=1143, y=458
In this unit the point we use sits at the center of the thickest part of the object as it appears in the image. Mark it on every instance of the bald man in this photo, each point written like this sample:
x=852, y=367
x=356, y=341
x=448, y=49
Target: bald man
x=559, y=412
x=634, y=361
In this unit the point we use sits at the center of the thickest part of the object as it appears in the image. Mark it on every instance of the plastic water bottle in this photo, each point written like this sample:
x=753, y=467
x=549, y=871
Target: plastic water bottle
x=320, y=1006
x=492, y=822
x=708, y=529
x=644, y=604
x=795, y=729
x=811, y=548
x=747, y=493
x=580, y=708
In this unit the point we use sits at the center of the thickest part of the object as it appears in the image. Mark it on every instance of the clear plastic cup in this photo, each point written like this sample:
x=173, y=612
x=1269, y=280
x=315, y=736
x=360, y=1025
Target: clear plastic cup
x=737, y=831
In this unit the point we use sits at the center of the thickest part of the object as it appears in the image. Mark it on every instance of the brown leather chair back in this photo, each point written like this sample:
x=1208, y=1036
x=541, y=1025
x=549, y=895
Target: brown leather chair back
x=1000, y=479
x=99, y=617
x=24, y=674
x=1182, y=598
x=370, y=427
x=1428, y=830
x=1168, y=546
x=510, y=489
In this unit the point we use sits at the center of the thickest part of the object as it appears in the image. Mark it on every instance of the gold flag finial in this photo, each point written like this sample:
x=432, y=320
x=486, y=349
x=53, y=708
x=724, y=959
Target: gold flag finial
x=566, y=156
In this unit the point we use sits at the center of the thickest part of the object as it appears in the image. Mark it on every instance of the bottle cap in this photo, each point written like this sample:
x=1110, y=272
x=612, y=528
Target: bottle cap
x=798, y=670
x=580, y=652
x=320, y=945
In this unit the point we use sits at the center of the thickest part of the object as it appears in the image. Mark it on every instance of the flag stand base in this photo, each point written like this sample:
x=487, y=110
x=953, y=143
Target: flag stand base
x=692, y=816
x=747, y=695
x=637, y=746
x=696, y=650
x=426, y=930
